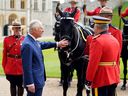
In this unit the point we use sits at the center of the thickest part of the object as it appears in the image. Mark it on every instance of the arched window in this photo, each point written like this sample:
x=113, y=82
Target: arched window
x=35, y=4
x=23, y=20
x=22, y=4
x=43, y=5
x=12, y=17
x=12, y=3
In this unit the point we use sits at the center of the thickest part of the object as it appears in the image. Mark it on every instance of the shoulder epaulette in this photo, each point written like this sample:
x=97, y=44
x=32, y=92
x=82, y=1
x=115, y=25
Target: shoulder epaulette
x=96, y=36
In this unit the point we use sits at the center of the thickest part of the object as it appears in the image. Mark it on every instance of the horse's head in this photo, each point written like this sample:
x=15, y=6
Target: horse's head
x=66, y=25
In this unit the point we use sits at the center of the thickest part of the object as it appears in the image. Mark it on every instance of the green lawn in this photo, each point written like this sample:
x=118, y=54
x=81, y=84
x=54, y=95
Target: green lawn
x=51, y=58
x=51, y=63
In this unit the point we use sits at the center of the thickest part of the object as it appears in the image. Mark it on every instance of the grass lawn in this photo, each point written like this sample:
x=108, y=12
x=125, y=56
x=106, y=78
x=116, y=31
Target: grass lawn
x=51, y=63
x=51, y=58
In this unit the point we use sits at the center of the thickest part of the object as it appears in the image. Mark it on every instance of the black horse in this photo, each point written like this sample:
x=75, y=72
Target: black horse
x=73, y=55
x=124, y=53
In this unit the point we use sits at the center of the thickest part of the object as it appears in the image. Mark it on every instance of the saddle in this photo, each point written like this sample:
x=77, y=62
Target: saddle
x=87, y=29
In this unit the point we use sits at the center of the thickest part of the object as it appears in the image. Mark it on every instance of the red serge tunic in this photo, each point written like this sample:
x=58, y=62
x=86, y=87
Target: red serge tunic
x=12, y=63
x=103, y=48
x=77, y=15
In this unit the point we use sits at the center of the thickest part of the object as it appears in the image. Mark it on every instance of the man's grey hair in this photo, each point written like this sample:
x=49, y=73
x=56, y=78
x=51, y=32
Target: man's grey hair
x=102, y=26
x=34, y=24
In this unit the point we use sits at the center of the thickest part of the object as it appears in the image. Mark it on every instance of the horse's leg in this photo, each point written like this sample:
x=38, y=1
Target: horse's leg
x=125, y=73
x=66, y=80
x=61, y=68
x=86, y=65
x=80, y=66
x=71, y=74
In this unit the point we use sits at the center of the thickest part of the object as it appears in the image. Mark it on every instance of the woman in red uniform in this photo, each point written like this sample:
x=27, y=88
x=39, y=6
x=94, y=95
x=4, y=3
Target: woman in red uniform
x=72, y=8
x=12, y=63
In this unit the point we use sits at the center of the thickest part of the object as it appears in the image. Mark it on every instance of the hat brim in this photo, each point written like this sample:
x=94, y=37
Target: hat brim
x=73, y=2
x=100, y=20
x=103, y=0
x=106, y=14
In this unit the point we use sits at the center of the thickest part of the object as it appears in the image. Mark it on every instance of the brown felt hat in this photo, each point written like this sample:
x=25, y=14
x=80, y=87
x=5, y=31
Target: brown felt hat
x=106, y=11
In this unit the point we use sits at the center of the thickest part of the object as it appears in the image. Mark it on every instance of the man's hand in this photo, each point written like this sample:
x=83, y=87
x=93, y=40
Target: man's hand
x=63, y=43
x=31, y=88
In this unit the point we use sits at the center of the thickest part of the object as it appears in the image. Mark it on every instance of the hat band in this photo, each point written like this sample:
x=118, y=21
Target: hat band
x=101, y=22
x=106, y=14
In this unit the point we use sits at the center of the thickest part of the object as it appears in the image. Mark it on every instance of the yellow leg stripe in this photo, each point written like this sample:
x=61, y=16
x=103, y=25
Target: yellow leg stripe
x=96, y=91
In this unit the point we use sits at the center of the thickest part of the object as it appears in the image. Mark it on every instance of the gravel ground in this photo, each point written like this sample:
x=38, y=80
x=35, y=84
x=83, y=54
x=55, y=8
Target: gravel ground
x=52, y=89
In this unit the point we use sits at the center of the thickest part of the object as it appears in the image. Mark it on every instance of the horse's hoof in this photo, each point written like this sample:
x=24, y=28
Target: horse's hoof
x=123, y=87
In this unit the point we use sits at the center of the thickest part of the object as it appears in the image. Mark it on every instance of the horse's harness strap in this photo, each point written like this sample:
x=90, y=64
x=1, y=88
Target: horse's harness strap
x=126, y=24
x=107, y=63
x=82, y=35
x=67, y=18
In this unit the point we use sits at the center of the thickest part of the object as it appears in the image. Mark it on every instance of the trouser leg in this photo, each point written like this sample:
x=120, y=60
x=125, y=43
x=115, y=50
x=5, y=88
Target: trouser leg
x=20, y=90
x=13, y=89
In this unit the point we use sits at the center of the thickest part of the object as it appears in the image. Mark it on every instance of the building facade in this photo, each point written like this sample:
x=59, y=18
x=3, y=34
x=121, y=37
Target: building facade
x=25, y=11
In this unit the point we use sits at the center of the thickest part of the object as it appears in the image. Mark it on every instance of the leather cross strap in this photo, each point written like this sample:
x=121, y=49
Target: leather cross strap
x=14, y=56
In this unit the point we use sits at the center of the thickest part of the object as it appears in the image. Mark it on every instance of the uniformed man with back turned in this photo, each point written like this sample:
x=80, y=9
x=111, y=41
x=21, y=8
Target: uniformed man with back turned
x=102, y=74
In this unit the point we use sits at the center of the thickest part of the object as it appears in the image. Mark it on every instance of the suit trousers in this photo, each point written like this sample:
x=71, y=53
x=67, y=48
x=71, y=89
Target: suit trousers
x=109, y=90
x=38, y=92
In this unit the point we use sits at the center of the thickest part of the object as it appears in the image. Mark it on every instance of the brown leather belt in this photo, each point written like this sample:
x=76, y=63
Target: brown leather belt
x=14, y=56
x=107, y=63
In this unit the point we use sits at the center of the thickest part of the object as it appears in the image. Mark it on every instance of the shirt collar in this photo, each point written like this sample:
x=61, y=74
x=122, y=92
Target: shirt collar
x=32, y=36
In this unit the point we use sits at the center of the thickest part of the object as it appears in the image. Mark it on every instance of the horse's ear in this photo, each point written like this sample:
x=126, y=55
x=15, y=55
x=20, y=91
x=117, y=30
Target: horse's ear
x=74, y=12
x=58, y=9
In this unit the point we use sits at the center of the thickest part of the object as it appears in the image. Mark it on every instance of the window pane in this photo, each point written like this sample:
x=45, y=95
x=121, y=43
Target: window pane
x=12, y=3
x=43, y=5
x=35, y=5
x=22, y=4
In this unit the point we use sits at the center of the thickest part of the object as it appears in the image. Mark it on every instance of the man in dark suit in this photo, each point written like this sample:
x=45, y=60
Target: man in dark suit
x=33, y=60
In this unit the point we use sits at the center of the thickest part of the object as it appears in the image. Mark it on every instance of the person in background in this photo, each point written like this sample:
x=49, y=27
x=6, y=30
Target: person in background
x=108, y=13
x=70, y=10
x=102, y=74
x=122, y=14
x=33, y=60
x=12, y=62
x=96, y=11
x=73, y=4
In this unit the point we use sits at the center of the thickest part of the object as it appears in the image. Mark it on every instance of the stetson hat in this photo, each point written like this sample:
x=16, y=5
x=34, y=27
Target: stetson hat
x=16, y=23
x=106, y=11
x=100, y=20
x=103, y=0
x=73, y=1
